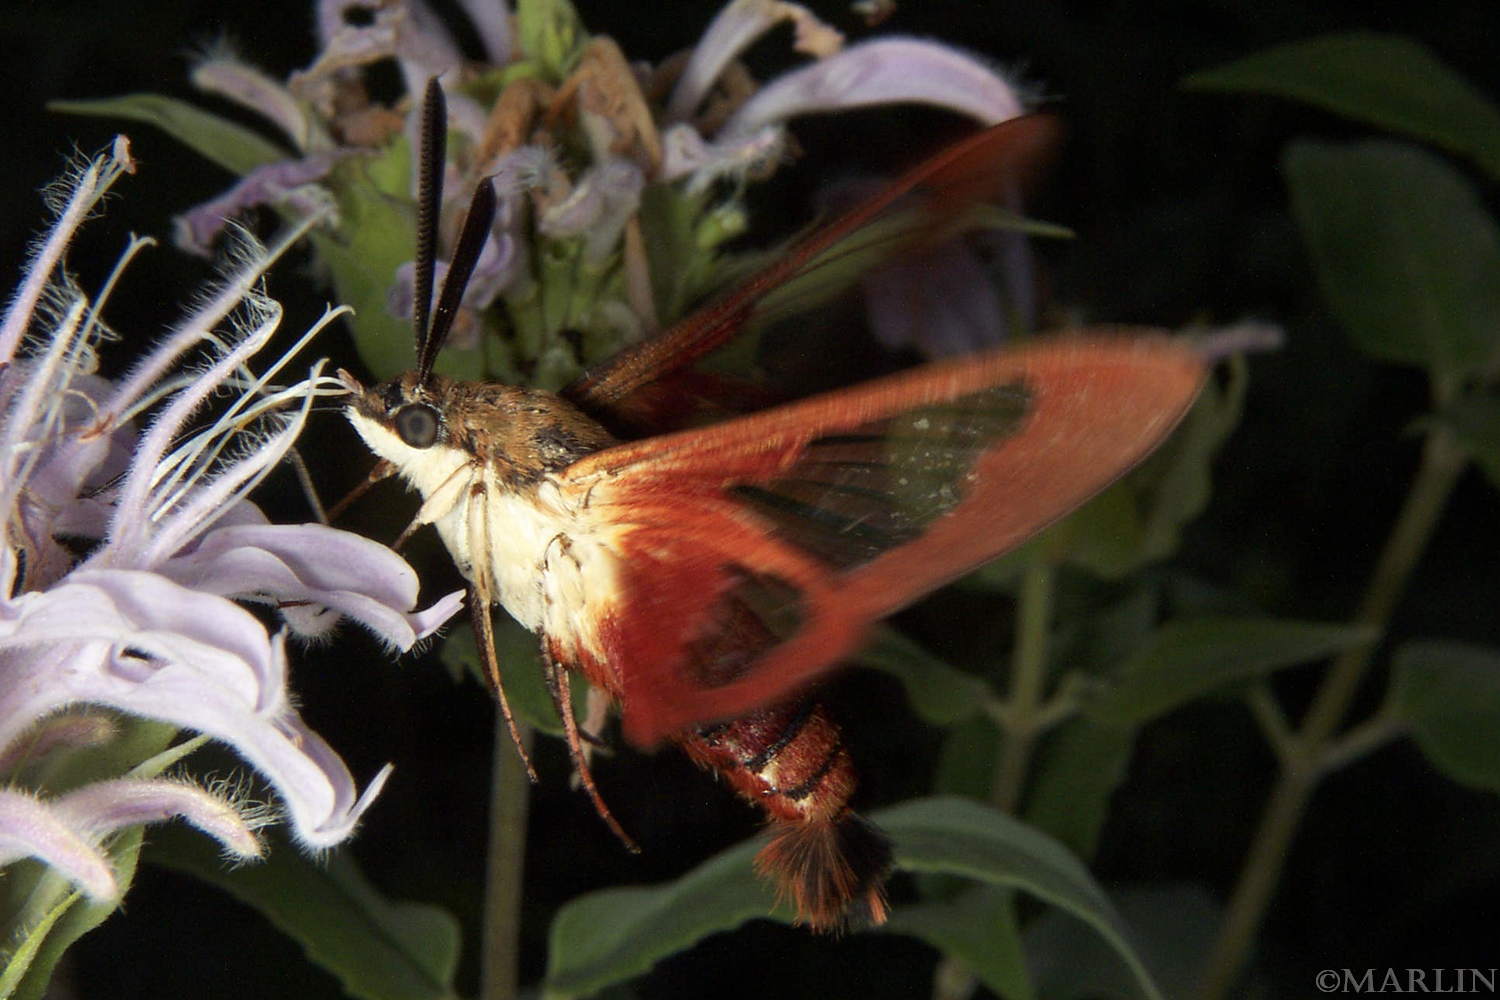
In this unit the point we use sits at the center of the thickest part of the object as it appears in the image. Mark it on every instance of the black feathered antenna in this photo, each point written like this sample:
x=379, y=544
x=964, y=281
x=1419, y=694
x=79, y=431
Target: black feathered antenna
x=432, y=327
x=431, y=156
x=460, y=269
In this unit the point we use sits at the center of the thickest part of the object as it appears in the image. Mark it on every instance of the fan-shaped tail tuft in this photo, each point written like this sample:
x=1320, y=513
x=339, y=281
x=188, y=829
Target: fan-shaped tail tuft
x=833, y=870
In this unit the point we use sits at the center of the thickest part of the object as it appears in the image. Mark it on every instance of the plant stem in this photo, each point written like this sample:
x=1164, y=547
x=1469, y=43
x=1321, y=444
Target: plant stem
x=1273, y=723
x=1022, y=718
x=1442, y=462
x=1027, y=685
x=500, y=940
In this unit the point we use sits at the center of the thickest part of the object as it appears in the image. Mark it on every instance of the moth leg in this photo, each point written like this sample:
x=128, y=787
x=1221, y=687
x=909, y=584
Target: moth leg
x=481, y=596
x=381, y=471
x=439, y=502
x=560, y=686
x=592, y=724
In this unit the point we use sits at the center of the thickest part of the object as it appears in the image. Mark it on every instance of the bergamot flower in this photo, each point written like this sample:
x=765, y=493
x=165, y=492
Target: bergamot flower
x=132, y=548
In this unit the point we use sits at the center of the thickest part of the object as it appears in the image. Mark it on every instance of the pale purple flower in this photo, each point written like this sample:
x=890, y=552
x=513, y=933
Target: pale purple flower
x=408, y=32
x=289, y=182
x=951, y=299
x=954, y=297
x=941, y=301
x=494, y=272
x=603, y=200
x=147, y=622
x=738, y=25
x=885, y=71
x=64, y=831
x=704, y=142
x=221, y=71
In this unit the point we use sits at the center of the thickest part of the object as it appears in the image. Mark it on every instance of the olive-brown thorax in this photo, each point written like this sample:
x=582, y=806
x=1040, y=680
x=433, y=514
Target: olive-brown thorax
x=521, y=434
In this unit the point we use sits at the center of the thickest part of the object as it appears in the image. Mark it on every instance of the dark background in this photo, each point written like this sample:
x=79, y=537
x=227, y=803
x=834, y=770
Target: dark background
x=1180, y=215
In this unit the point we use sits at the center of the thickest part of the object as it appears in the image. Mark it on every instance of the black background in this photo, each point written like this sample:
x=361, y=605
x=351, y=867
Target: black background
x=1180, y=215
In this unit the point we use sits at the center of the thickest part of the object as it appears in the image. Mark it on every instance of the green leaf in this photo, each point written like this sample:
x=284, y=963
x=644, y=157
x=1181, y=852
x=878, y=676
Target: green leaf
x=966, y=768
x=53, y=915
x=1077, y=772
x=960, y=837
x=26, y=967
x=1093, y=635
x=978, y=928
x=1475, y=421
x=1388, y=81
x=518, y=653
x=941, y=694
x=376, y=234
x=610, y=936
x=232, y=146
x=1187, y=659
x=379, y=949
x=683, y=270
x=156, y=764
x=1173, y=929
x=28, y=970
x=1450, y=694
x=1405, y=252
x=135, y=741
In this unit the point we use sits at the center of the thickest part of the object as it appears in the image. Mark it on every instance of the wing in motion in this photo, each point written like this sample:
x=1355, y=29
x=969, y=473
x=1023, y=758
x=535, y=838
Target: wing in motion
x=646, y=386
x=759, y=550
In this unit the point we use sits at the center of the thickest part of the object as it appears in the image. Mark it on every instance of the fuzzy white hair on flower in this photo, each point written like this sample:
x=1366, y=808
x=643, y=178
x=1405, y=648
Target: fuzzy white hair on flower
x=147, y=623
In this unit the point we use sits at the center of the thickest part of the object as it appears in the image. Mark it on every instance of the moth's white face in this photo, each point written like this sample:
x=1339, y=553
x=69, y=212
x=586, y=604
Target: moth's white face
x=552, y=566
x=426, y=469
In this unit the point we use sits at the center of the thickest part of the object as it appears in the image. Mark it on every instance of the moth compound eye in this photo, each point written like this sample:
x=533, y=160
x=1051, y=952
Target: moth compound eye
x=417, y=424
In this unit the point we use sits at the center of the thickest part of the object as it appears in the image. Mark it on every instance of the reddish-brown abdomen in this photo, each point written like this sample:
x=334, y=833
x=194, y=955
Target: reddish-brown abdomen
x=790, y=760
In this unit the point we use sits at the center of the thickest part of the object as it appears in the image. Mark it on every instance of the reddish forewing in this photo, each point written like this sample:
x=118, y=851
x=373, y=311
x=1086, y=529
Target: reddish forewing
x=741, y=585
x=644, y=387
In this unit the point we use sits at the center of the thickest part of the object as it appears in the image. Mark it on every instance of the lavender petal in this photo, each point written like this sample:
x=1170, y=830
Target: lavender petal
x=70, y=730
x=491, y=20
x=30, y=829
x=942, y=303
x=197, y=230
x=494, y=272
x=310, y=563
x=225, y=74
x=103, y=807
x=733, y=30
x=890, y=70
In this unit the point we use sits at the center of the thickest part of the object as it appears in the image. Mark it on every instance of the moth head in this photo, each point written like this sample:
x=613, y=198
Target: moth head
x=406, y=406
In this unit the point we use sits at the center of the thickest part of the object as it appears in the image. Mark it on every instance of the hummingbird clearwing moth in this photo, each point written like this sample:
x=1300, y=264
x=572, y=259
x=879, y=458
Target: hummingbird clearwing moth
x=703, y=578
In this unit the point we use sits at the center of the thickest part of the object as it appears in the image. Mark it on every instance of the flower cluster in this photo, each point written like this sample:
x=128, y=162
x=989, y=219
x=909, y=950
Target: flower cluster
x=126, y=553
x=618, y=180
